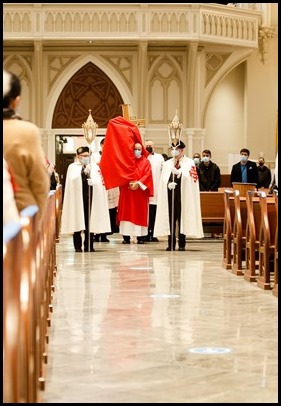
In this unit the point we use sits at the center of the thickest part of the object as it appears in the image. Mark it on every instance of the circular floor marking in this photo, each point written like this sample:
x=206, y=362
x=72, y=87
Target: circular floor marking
x=209, y=350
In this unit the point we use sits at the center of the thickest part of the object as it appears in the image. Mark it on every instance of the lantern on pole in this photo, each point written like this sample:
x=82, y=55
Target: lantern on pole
x=90, y=128
x=90, y=131
x=175, y=129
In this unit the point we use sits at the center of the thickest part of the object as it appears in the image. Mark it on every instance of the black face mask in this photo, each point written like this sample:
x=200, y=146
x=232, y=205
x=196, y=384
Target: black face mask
x=149, y=149
x=260, y=163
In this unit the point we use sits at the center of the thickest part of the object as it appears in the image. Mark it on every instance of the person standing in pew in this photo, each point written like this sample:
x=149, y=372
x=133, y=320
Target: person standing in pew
x=264, y=174
x=245, y=171
x=209, y=173
x=23, y=151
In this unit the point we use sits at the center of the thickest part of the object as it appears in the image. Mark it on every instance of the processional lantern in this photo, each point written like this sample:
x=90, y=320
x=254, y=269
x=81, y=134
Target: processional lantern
x=90, y=128
x=175, y=129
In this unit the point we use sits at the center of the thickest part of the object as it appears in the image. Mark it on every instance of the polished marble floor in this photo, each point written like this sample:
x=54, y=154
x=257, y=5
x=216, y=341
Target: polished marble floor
x=137, y=324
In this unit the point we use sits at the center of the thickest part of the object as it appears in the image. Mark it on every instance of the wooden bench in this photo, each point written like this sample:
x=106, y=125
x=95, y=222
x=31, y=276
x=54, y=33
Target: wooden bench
x=252, y=235
x=30, y=317
x=13, y=391
x=266, y=241
x=228, y=228
x=212, y=211
x=239, y=233
x=275, y=286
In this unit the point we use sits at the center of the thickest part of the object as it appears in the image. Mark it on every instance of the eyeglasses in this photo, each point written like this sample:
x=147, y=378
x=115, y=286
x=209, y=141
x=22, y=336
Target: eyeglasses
x=86, y=156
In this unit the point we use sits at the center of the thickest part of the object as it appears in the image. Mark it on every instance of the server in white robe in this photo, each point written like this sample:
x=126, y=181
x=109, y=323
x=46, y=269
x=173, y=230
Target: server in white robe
x=156, y=160
x=178, y=212
x=84, y=192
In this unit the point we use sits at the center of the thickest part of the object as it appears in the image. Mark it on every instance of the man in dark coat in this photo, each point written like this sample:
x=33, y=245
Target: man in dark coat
x=264, y=174
x=244, y=171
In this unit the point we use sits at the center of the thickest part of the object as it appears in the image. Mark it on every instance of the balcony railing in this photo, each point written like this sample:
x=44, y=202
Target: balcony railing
x=202, y=22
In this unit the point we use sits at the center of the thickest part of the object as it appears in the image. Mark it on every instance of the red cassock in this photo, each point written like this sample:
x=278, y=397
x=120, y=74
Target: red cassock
x=119, y=166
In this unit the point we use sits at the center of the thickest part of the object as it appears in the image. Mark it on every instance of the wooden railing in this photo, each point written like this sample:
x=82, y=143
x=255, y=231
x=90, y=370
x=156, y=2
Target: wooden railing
x=29, y=264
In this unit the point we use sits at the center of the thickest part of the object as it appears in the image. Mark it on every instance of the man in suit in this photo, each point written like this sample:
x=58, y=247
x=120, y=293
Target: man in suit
x=244, y=171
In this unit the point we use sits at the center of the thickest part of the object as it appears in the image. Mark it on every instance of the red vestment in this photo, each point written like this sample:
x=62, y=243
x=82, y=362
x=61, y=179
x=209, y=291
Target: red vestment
x=133, y=204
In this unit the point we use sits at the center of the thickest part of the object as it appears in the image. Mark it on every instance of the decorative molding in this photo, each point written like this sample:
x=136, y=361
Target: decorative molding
x=200, y=22
x=214, y=62
x=265, y=35
x=56, y=64
x=124, y=65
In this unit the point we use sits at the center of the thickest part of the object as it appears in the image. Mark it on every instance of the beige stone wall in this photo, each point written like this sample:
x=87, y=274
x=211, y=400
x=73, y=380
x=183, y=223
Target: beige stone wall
x=225, y=97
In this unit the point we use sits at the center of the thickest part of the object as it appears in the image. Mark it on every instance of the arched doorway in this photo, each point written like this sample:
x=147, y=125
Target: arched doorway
x=88, y=88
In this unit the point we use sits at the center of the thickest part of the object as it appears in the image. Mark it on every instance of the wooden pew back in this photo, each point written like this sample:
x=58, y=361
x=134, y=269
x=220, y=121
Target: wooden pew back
x=229, y=212
x=239, y=233
x=275, y=287
x=12, y=371
x=252, y=234
x=266, y=240
x=212, y=211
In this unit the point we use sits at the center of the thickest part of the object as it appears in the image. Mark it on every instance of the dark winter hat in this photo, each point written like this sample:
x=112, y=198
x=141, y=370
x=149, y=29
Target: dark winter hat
x=180, y=145
x=80, y=150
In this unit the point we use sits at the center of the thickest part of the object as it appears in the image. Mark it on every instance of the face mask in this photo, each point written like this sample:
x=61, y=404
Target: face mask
x=85, y=160
x=149, y=149
x=196, y=160
x=205, y=159
x=174, y=152
x=137, y=153
x=243, y=158
x=260, y=163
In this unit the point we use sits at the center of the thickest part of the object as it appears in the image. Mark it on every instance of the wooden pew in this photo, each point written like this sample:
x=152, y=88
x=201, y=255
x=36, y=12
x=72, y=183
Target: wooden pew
x=12, y=265
x=243, y=187
x=275, y=286
x=252, y=235
x=266, y=240
x=228, y=228
x=30, y=315
x=239, y=233
x=212, y=211
x=45, y=273
x=58, y=211
x=28, y=278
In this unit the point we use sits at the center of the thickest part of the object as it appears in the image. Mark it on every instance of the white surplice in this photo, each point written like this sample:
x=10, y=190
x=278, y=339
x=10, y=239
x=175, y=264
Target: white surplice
x=73, y=211
x=191, y=219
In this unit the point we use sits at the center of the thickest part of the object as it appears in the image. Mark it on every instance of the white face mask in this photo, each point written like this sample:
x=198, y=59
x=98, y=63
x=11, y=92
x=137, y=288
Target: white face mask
x=137, y=153
x=175, y=152
x=205, y=159
x=85, y=160
x=196, y=160
x=243, y=158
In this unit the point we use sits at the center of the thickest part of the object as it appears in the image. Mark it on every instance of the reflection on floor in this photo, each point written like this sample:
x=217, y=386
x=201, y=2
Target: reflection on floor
x=136, y=324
